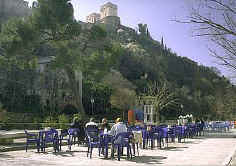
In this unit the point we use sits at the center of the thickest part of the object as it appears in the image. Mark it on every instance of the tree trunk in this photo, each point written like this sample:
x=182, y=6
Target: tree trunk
x=75, y=90
x=123, y=115
x=157, y=116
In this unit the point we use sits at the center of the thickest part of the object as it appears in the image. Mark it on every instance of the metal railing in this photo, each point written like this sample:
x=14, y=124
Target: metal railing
x=30, y=126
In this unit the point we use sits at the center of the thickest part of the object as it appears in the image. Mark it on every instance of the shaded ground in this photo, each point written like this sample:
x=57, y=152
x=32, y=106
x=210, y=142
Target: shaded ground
x=203, y=151
x=233, y=162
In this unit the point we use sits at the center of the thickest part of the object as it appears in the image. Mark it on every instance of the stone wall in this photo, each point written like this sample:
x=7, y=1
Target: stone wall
x=112, y=23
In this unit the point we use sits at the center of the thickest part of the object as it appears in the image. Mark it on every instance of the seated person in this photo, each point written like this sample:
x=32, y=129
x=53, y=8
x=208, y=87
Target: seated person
x=119, y=127
x=92, y=129
x=105, y=125
x=91, y=124
x=76, y=123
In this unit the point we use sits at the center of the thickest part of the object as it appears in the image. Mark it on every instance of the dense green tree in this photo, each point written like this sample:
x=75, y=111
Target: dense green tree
x=17, y=87
x=74, y=45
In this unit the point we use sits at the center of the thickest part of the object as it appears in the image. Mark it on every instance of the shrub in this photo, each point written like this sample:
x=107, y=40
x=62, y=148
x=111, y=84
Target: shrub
x=80, y=118
x=63, y=120
x=50, y=122
x=37, y=123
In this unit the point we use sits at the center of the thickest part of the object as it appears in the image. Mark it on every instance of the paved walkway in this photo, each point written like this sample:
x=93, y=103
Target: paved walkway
x=194, y=152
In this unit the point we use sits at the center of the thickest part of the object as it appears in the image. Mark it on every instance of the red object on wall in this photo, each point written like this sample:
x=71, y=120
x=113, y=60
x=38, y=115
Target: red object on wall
x=131, y=116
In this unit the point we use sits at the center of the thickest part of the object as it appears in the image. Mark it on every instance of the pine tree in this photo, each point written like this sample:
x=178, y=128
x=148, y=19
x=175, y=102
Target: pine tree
x=162, y=42
x=148, y=34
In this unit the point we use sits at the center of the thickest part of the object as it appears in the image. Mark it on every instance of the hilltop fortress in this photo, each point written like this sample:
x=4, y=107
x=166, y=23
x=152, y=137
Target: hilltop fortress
x=109, y=17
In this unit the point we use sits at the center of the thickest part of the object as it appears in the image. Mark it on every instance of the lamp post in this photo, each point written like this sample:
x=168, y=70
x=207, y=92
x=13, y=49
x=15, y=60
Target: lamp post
x=145, y=78
x=92, y=102
x=181, y=120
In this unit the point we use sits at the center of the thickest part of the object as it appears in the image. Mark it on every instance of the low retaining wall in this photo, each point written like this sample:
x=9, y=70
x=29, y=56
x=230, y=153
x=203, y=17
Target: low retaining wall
x=16, y=134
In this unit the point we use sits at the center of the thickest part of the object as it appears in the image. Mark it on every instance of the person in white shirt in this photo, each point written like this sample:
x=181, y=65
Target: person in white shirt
x=91, y=123
x=119, y=127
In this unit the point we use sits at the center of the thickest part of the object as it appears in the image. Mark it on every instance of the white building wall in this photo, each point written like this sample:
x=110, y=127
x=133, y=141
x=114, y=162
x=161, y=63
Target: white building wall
x=148, y=114
x=93, y=18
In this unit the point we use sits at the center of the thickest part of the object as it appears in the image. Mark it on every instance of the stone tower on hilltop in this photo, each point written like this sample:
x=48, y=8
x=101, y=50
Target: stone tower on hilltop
x=108, y=15
x=108, y=9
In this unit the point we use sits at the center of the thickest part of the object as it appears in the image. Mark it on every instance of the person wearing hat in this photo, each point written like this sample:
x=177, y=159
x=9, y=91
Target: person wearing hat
x=119, y=127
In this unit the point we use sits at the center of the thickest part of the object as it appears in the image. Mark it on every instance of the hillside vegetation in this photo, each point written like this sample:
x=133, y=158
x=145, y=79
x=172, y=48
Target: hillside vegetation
x=119, y=68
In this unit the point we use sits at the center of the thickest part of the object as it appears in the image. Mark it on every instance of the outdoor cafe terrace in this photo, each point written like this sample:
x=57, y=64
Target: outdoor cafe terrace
x=173, y=145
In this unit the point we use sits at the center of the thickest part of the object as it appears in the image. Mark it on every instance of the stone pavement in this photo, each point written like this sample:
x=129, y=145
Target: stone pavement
x=194, y=152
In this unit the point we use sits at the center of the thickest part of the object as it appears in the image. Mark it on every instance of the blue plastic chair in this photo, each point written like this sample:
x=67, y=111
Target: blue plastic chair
x=69, y=136
x=93, y=140
x=154, y=134
x=63, y=137
x=73, y=133
x=179, y=130
x=192, y=130
x=163, y=135
x=149, y=136
x=159, y=133
x=50, y=136
x=32, y=138
x=105, y=140
x=171, y=134
x=120, y=141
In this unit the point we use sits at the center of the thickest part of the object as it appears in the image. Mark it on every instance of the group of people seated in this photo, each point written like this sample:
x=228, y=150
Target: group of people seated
x=118, y=127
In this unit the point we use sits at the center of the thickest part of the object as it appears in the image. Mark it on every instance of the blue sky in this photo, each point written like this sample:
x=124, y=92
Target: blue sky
x=158, y=15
